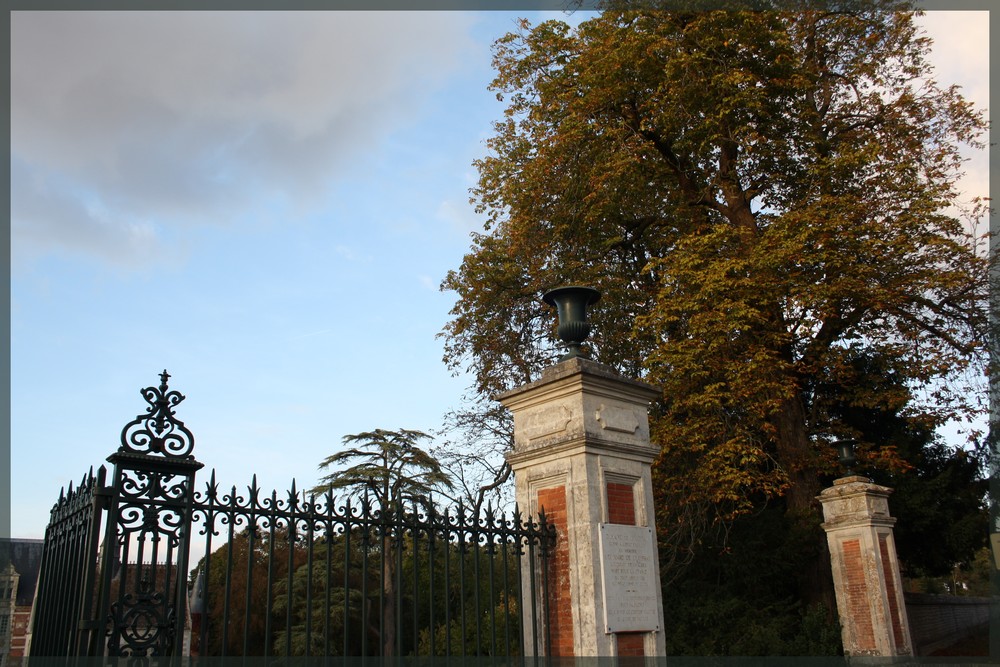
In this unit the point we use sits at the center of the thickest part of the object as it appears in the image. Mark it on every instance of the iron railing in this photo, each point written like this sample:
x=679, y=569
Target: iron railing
x=64, y=594
x=298, y=576
x=289, y=575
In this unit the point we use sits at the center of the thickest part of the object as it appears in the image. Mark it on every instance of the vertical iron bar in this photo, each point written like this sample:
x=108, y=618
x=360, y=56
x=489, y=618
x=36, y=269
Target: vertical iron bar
x=123, y=574
x=491, y=552
x=431, y=544
x=415, y=533
x=365, y=547
x=73, y=579
x=477, y=584
x=91, y=637
x=293, y=503
x=506, y=591
x=272, y=520
x=492, y=601
x=461, y=574
x=347, y=570
x=183, y=556
x=328, y=592
x=248, y=596
x=206, y=614
x=397, y=584
x=310, y=546
x=534, y=595
x=383, y=541
x=447, y=583
x=227, y=599
x=546, y=544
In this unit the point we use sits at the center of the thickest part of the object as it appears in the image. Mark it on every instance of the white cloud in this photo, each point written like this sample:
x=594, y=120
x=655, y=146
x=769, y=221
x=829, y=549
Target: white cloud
x=960, y=54
x=198, y=117
x=961, y=50
x=428, y=283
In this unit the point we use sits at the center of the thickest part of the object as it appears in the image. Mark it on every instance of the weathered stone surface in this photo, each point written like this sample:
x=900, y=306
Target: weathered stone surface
x=865, y=568
x=583, y=428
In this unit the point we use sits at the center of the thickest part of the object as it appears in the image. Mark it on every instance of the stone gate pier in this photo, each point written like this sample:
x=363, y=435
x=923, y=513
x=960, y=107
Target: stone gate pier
x=865, y=568
x=582, y=455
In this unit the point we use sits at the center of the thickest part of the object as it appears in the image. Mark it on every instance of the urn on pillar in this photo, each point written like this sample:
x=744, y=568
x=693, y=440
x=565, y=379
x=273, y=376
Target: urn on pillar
x=571, y=305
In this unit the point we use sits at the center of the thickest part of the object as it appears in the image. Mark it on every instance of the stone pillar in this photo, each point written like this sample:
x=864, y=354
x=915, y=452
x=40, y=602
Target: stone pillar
x=582, y=454
x=865, y=568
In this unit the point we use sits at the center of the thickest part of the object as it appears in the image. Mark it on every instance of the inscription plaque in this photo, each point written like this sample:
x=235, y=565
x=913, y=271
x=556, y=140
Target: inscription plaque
x=628, y=573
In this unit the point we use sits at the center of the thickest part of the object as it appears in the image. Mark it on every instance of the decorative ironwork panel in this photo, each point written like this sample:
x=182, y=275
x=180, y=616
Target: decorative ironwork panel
x=144, y=590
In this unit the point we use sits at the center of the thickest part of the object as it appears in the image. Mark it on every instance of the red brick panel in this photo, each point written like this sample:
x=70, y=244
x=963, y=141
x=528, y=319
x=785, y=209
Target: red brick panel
x=621, y=504
x=630, y=644
x=553, y=502
x=857, y=596
x=890, y=585
x=19, y=631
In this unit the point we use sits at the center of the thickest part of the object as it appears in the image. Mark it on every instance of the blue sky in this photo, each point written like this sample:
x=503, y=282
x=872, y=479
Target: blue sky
x=264, y=205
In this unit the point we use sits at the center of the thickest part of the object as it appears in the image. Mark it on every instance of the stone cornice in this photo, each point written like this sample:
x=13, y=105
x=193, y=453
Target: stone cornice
x=572, y=375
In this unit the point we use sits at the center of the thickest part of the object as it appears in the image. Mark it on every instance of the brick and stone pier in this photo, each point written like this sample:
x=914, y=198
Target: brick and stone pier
x=582, y=453
x=865, y=568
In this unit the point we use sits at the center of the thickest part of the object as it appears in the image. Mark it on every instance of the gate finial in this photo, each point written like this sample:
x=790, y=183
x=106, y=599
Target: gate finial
x=158, y=431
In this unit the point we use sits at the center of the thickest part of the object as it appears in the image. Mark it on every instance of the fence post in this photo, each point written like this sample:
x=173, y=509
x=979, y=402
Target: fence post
x=144, y=561
x=582, y=454
x=865, y=568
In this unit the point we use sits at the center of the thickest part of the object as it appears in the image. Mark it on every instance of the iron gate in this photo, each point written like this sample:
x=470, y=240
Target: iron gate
x=289, y=575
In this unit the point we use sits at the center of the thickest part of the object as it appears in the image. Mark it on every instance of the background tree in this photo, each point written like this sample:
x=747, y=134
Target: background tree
x=762, y=197
x=325, y=613
x=390, y=467
x=472, y=452
x=235, y=578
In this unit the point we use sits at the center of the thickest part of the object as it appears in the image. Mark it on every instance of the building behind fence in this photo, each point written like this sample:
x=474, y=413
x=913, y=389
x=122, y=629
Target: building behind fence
x=285, y=575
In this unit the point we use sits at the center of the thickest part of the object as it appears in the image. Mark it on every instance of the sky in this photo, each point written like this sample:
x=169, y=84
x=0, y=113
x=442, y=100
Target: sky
x=264, y=205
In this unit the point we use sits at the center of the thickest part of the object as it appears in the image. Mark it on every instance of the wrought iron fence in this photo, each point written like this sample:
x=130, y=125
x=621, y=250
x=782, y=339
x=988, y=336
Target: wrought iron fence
x=307, y=577
x=289, y=575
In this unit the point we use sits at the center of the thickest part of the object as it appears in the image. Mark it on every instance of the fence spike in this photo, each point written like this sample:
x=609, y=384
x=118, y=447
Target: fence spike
x=213, y=487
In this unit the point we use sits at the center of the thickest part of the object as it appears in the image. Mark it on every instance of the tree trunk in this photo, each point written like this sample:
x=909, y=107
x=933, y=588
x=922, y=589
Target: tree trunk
x=388, y=599
x=803, y=509
x=794, y=455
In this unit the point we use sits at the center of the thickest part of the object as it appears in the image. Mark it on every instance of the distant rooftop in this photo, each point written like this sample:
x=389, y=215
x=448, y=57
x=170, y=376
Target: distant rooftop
x=26, y=557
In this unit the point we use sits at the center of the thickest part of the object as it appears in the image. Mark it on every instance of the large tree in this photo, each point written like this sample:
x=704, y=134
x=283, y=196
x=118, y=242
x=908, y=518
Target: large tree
x=763, y=198
x=387, y=469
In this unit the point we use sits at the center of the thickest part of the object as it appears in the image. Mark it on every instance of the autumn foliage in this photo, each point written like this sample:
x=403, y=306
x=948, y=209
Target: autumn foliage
x=767, y=202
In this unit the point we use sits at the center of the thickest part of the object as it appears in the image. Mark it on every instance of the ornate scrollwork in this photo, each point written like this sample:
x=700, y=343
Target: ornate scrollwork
x=158, y=431
x=144, y=623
